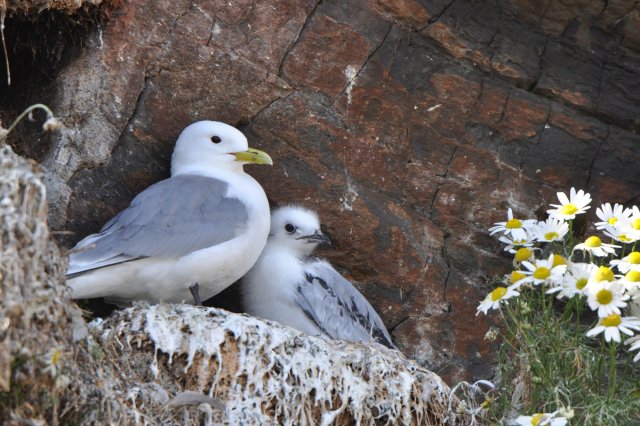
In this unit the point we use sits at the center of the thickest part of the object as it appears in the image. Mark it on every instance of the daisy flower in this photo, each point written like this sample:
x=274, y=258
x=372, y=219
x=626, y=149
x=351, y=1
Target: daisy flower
x=550, y=230
x=634, y=222
x=574, y=281
x=610, y=216
x=558, y=260
x=576, y=203
x=512, y=243
x=630, y=262
x=565, y=289
x=621, y=233
x=601, y=273
x=607, y=297
x=580, y=272
x=631, y=281
x=51, y=361
x=635, y=345
x=493, y=299
x=515, y=278
x=543, y=272
x=541, y=419
x=515, y=227
x=522, y=254
x=612, y=325
x=596, y=247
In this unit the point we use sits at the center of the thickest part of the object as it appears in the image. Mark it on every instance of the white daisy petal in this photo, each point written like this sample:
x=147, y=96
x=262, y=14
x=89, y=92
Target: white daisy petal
x=606, y=297
x=497, y=296
x=514, y=227
x=612, y=325
x=610, y=216
x=596, y=247
x=544, y=272
x=550, y=230
x=576, y=203
x=630, y=262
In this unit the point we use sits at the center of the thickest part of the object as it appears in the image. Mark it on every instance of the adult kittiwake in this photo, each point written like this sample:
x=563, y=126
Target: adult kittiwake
x=289, y=286
x=199, y=231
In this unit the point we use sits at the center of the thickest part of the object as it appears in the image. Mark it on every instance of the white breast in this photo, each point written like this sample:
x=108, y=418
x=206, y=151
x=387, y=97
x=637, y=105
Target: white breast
x=269, y=290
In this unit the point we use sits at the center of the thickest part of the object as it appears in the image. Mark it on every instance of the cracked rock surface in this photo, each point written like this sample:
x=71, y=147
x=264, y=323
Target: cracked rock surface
x=410, y=126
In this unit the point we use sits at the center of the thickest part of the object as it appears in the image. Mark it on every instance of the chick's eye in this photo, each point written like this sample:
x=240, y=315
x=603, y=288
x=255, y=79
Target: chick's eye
x=289, y=228
x=216, y=139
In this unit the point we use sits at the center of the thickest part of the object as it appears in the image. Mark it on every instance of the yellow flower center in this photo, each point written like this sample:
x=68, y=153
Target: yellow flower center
x=536, y=419
x=603, y=273
x=636, y=224
x=541, y=273
x=612, y=220
x=523, y=254
x=568, y=209
x=487, y=403
x=498, y=293
x=513, y=224
x=581, y=282
x=516, y=276
x=634, y=257
x=612, y=320
x=549, y=236
x=593, y=242
x=55, y=357
x=624, y=238
x=558, y=260
x=604, y=297
x=633, y=276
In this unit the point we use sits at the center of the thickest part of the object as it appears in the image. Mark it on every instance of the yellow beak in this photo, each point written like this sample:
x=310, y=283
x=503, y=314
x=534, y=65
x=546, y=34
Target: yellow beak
x=254, y=156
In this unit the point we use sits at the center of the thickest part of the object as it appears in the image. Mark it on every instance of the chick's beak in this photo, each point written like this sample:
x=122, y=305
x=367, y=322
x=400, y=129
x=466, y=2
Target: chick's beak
x=318, y=238
x=255, y=156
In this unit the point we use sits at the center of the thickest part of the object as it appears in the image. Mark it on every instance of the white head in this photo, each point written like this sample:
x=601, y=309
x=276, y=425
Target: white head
x=210, y=144
x=297, y=229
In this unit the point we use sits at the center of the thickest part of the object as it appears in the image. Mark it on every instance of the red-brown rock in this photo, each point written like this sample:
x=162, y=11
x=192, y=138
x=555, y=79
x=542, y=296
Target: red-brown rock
x=411, y=126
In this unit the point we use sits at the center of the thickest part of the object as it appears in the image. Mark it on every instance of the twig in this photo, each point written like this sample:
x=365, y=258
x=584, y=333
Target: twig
x=3, y=15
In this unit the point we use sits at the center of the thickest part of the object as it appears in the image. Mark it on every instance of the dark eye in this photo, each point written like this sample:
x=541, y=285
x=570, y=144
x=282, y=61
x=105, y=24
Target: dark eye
x=289, y=228
x=216, y=139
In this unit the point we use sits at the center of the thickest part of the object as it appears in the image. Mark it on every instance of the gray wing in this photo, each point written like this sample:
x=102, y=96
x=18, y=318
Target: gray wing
x=337, y=308
x=171, y=218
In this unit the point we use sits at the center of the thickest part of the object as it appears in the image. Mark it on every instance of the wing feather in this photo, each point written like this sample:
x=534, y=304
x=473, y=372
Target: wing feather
x=337, y=307
x=171, y=218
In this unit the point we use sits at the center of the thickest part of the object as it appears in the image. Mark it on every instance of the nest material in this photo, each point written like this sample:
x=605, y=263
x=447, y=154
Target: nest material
x=264, y=372
x=34, y=7
x=175, y=364
x=36, y=319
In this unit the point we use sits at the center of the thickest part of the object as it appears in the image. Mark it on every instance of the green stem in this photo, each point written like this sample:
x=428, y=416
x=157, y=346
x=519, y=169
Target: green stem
x=599, y=367
x=612, y=369
x=570, y=240
x=579, y=306
x=509, y=321
x=546, y=310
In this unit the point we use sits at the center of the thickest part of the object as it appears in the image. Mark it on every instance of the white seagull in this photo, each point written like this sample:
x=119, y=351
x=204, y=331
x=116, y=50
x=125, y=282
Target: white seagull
x=200, y=230
x=289, y=286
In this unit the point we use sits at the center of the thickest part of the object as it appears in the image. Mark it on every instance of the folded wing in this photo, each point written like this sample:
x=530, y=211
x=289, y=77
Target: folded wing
x=171, y=218
x=337, y=308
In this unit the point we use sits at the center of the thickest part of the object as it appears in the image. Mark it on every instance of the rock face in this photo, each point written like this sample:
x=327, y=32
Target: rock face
x=411, y=126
